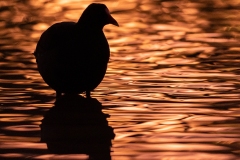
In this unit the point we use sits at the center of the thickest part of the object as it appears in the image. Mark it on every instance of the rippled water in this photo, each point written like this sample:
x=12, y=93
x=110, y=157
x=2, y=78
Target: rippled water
x=172, y=87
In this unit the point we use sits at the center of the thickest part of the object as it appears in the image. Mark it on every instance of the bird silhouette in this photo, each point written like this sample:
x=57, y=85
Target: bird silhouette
x=73, y=57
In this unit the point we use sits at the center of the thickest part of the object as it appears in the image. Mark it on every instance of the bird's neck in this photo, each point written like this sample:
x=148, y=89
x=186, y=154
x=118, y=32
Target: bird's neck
x=89, y=25
x=89, y=30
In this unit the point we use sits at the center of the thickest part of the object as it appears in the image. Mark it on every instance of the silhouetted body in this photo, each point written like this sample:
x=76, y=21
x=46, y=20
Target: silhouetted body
x=72, y=57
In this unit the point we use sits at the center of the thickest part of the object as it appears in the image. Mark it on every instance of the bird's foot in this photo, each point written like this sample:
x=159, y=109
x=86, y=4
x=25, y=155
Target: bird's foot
x=88, y=94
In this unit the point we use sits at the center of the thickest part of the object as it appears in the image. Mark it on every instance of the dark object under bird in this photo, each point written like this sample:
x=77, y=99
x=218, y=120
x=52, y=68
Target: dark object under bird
x=72, y=57
x=77, y=125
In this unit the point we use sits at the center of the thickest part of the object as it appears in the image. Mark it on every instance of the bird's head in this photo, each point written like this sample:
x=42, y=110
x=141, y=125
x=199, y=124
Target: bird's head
x=96, y=15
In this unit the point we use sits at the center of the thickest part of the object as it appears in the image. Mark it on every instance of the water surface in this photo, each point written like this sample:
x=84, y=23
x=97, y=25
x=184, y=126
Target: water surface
x=172, y=86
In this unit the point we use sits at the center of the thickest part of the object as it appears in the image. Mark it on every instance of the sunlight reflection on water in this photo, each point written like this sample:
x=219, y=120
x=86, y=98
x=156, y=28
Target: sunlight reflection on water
x=172, y=85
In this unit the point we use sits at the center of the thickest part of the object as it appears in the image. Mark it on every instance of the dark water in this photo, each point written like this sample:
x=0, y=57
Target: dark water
x=172, y=87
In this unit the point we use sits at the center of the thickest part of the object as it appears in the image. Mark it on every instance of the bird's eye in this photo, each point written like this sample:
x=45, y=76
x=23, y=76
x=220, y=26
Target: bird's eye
x=107, y=11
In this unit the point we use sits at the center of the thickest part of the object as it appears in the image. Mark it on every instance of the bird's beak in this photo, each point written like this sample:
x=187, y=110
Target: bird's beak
x=111, y=20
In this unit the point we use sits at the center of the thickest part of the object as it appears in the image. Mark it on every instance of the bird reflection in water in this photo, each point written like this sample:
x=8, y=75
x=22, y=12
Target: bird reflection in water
x=77, y=125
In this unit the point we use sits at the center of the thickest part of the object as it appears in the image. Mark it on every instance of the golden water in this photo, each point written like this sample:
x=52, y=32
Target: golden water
x=172, y=86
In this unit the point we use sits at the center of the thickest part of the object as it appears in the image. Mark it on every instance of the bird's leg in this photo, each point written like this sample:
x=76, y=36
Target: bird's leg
x=88, y=94
x=58, y=94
